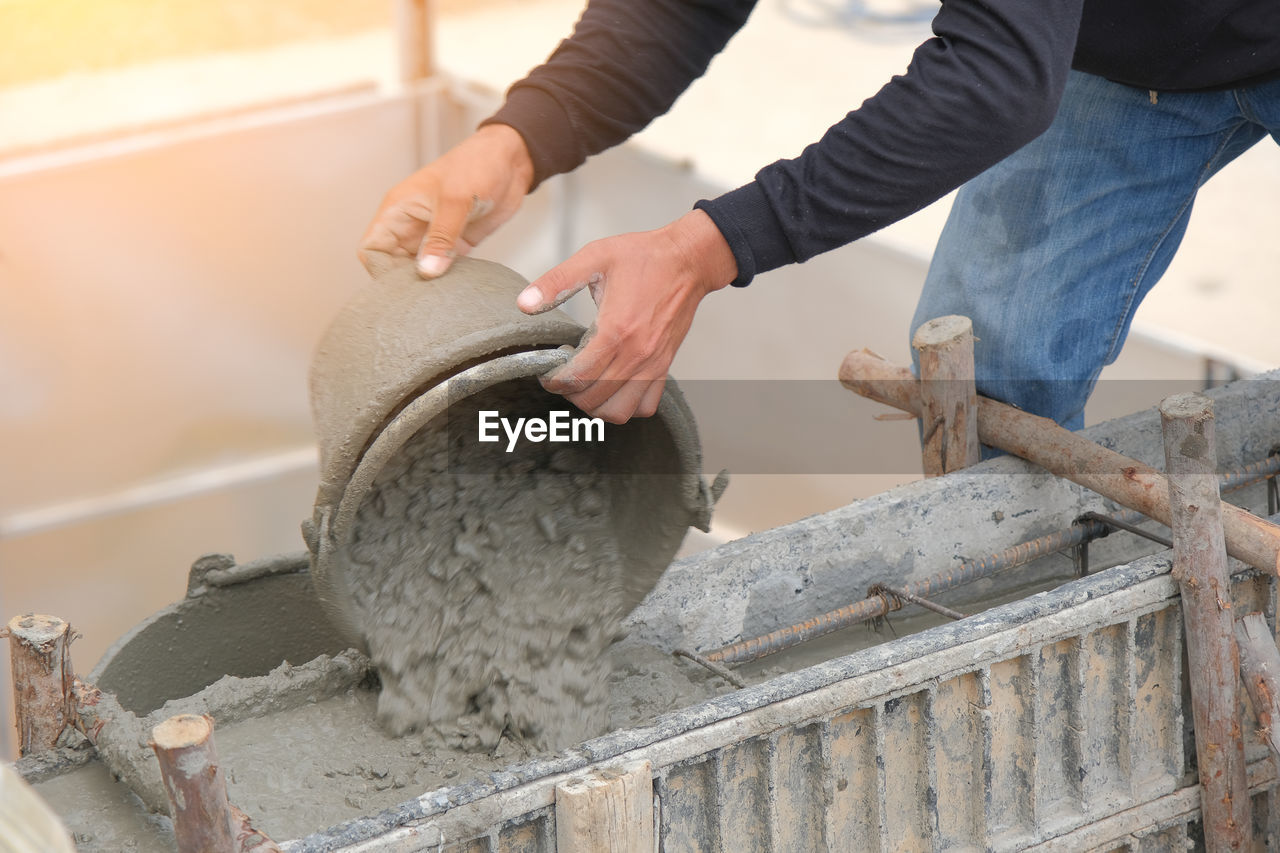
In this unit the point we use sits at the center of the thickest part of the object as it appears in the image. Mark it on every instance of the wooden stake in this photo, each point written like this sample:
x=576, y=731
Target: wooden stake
x=949, y=410
x=1062, y=452
x=609, y=811
x=1200, y=567
x=414, y=20
x=197, y=788
x=42, y=675
x=1260, y=671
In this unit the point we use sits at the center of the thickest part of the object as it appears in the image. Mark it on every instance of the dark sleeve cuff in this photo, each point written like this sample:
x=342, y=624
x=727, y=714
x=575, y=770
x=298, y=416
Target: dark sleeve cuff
x=546, y=129
x=751, y=228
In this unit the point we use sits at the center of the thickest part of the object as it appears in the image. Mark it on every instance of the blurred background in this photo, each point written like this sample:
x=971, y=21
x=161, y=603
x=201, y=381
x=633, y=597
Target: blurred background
x=182, y=186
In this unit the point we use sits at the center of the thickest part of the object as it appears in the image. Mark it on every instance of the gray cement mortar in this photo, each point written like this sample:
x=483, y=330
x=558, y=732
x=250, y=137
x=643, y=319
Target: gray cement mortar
x=488, y=596
x=302, y=749
x=123, y=742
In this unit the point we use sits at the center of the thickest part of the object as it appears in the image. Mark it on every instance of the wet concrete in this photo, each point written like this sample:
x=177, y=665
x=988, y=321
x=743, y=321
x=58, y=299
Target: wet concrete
x=299, y=770
x=489, y=597
x=103, y=815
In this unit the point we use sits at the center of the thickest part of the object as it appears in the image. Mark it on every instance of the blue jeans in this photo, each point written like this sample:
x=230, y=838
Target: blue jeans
x=1050, y=251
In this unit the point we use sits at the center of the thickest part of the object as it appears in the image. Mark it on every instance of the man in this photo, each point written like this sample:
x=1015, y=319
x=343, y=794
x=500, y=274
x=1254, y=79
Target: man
x=1083, y=129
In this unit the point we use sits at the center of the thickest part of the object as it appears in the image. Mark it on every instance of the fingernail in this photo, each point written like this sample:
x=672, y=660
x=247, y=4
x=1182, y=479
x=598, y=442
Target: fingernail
x=431, y=266
x=530, y=299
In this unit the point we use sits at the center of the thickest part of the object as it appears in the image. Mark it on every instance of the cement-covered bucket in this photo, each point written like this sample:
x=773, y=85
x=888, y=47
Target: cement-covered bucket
x=406, y=352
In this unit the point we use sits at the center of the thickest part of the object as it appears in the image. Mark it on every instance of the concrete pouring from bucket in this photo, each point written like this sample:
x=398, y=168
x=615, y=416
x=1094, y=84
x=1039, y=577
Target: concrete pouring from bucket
x=485, y=581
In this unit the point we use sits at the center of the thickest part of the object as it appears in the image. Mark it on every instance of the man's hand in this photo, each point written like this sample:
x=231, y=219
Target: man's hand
x=647, y=287
x=444, y=209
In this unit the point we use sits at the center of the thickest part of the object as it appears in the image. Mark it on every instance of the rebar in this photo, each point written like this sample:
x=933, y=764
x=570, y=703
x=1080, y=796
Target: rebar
x=876, y=606
x=902, y=595
x=714, y=667
x=1123, y=524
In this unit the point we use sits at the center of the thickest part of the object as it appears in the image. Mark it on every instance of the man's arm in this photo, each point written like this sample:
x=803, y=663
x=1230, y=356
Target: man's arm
x=987, y=83
x=626, y=64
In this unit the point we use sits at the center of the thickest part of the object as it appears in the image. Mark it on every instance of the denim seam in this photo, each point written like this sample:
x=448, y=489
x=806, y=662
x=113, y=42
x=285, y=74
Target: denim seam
x=1135, y=284
x=1245, y=106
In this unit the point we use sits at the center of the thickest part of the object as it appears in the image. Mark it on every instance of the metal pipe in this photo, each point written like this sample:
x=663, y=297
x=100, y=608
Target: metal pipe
x=968, y=571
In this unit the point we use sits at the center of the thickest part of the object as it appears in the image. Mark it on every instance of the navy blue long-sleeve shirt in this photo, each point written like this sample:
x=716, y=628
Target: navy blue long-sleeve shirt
x=986, y=83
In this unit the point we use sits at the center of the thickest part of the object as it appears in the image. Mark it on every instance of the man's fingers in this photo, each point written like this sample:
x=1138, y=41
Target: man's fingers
x=556, y=286
x=399, y=225
x=626, y=399
x=652, y=397
x=588, y=381
x=577, y=374
x=440, y=245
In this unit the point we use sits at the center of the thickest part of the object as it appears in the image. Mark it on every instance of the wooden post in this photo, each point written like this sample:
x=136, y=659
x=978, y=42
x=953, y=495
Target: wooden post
x=194, y=781
x=1251, y=539
x=42, y=675
x=1200, y=567
x=1260, y=671
x=949, y=410
x=609, y=811
x=414, y=21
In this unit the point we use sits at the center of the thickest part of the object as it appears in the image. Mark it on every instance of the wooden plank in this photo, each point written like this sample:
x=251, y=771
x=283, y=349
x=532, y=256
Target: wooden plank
x=608, y=811
x=1200, y=568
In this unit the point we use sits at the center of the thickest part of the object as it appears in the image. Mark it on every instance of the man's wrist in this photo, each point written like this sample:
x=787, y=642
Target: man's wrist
x=515, y=149
x=704, y=249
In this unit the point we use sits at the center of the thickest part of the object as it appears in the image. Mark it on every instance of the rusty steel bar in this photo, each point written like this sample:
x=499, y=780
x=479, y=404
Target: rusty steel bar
x=1124, y=524
x=1200, y=568
x=725, y=673
x=1083, y=531
x=1066, y=454
x=904, y=595
x=876, y=606
x=1251, y=473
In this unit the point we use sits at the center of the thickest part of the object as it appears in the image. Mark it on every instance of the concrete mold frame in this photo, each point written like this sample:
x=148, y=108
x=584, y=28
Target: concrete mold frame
x=1058, y=721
